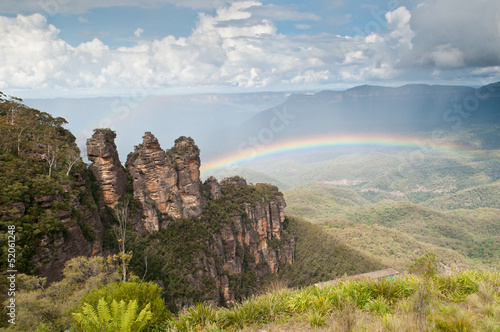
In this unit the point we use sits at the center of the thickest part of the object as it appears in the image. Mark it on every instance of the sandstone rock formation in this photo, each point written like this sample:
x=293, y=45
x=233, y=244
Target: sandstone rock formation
x=186, y=156
x=213, y=188
x=261, y=224
x=245, y=226
x=252, y=241
x=166, y=182
x=101, y=150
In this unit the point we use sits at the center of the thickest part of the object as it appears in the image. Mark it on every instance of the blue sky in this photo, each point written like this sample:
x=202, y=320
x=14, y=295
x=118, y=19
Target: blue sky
x=51, y=48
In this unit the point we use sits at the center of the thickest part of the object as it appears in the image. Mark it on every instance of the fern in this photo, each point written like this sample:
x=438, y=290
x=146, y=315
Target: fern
x=103, y=310
x=117, y=317
x=128, y=316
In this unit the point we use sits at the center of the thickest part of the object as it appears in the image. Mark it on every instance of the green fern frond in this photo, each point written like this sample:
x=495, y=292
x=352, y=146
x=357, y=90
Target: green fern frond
x=92, y=317
x=117, y=317
x=103, y=311
x=129, y=316
x=88, y=319
x=144, y=317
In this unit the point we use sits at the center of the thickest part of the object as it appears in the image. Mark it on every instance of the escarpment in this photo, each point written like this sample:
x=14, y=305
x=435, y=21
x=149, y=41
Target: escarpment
x=221, y=239
x=251, y=238
x=82, y=235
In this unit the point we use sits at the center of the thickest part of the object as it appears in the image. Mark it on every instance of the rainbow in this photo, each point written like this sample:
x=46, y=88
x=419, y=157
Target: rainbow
x=425, y=145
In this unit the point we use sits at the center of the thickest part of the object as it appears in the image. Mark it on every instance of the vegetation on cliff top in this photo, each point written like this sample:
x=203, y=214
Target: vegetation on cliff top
x=38, y=158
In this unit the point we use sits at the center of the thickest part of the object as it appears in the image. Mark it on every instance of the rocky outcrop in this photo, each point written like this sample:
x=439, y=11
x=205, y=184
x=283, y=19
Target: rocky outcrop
x=239, y=227
x=257, y=232
x=213, y=188
x=101, y=150
x=166, y=183
x=261, y=224
x=186, y=156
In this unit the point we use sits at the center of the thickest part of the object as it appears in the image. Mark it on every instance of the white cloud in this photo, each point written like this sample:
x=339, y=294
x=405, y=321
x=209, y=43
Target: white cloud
x=311, y=76
x=82, y=20
x=95, y=48
x=398, y=22
x=445, y=56
x=239, y=46
x=138, y=32
x=231, y=48
x=29, y=55
x=398, y=19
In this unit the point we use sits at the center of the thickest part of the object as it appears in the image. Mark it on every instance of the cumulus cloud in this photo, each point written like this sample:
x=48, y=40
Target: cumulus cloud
x=398, y=22
x=239, y=46
x=445, y=56
x=29, y=55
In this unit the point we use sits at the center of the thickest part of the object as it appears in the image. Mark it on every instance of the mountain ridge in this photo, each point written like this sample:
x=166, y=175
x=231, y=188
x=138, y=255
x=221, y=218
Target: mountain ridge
x=409, y=109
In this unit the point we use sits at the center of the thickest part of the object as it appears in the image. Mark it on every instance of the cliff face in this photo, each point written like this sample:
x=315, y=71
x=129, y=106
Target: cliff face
x=101, y=150
x=261, y=224
x=256, y=233
x=166, y=183
x=83, y=234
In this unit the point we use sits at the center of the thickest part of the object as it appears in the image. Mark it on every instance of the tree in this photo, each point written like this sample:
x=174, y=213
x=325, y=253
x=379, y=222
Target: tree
x=33, y=134
x=425, y=266
x=73, y=156
x=120, y=211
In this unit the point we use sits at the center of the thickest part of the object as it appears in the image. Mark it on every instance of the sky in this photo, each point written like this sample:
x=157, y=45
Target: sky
x=88, y=48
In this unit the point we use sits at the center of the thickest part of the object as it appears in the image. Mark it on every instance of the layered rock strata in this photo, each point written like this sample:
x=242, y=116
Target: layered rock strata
x=166, y=183
x=108, y=170
x=262, y=223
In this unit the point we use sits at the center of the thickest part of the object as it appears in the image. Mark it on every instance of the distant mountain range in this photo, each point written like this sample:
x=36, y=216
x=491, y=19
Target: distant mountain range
x=221, y=124
x=408, y=109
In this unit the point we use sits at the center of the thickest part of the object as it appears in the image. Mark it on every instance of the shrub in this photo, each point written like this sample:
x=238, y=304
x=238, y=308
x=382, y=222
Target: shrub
x=456, y=288
x=425, y=265
x=380, y=306
x=197, y=317
x=454, y=319
x=50, y=307
x=317, y=319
